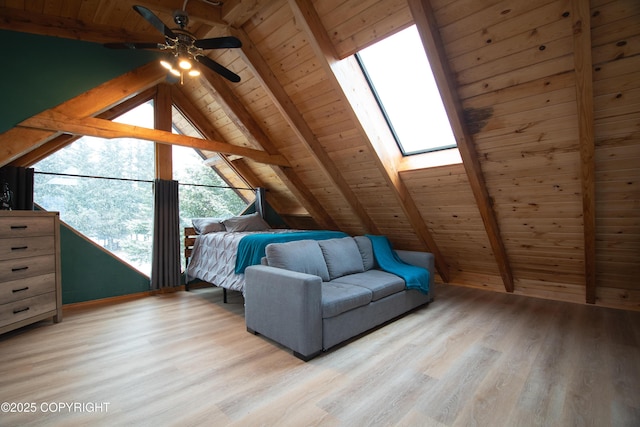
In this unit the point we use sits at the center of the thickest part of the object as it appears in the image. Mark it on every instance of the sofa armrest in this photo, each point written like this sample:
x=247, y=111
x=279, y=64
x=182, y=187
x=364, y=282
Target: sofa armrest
x=285, y=306
x=421, y=259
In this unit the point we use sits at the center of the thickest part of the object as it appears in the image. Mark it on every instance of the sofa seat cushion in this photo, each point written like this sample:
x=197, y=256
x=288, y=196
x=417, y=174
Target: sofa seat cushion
x=340, y=297
x=380, y=283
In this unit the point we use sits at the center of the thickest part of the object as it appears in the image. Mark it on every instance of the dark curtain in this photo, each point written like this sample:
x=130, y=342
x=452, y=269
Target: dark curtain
x=19, y=182
x=165, y=267
x=261, y=204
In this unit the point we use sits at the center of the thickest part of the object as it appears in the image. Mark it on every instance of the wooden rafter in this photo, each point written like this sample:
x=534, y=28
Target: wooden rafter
x=50, y=120
x=298, y=124
x=46, y=25
x=341, y=78
x=245, y=122
x=584, y=97
x=44, y=150
x=18, y=141
x=425, y=22
x=63, y=140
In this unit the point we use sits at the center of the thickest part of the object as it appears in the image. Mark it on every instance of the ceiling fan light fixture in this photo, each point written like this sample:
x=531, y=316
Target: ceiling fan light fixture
x=184, y=64
x=182, y=47
x=166, y=64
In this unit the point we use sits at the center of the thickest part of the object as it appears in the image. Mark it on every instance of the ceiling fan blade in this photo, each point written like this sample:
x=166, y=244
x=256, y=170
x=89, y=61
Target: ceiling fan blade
x=224, y=72
x=218, y=43
x=133, y=45
x=155, y=21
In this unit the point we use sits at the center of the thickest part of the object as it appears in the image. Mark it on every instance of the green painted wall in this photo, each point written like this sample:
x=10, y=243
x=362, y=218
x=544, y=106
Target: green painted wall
x=40, y=72
x=90, y=273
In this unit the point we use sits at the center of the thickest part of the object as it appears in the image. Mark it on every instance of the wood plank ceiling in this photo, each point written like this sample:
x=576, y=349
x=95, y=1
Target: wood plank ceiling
x=542, y=97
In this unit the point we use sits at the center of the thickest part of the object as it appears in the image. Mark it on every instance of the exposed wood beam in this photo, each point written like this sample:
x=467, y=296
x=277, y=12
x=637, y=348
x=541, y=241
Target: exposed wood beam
x=63, y=140
x=163, y=121
x=50, y=120
x=298, y=124
x=19, y=140
x=45, y=150
x=58, y=26
x=245, y=122
x=580, y=11
x=427, y=27
x=340, y=74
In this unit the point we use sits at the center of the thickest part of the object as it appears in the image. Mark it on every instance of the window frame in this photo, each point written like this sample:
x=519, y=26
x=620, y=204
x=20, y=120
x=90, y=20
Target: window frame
x=379, y=102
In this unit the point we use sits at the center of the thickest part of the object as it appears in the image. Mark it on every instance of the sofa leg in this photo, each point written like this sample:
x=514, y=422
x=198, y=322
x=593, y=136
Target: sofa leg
x=306, y=358
x=251, y=331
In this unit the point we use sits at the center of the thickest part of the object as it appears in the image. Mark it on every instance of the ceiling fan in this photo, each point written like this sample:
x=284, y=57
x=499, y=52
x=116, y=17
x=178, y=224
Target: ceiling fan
x=182, y=46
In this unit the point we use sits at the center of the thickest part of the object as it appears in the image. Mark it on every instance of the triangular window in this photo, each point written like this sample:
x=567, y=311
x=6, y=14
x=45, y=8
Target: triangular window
x=401, y=79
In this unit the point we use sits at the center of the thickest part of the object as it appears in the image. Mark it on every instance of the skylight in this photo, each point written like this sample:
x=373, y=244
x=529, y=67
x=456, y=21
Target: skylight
x=400, y=77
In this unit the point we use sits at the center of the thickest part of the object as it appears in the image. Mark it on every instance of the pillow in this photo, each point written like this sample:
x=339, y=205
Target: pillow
x=366, y=251
x=342, y=256
x=252, y=222
x=303, y=256
x=207, y=225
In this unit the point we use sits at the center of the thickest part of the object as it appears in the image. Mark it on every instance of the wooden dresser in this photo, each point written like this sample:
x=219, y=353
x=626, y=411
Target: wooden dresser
x=29, y=268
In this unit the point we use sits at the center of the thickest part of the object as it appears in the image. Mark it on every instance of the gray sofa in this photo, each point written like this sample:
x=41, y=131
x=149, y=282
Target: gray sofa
x=311, y=295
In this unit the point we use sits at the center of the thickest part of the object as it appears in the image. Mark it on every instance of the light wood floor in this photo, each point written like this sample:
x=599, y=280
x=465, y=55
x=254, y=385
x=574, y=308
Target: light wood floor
x=470, y=358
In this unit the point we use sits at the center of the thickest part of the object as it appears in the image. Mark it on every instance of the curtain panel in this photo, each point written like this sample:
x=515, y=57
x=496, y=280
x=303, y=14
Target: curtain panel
x=16, y=185
x=261, y=202
x=165, y=267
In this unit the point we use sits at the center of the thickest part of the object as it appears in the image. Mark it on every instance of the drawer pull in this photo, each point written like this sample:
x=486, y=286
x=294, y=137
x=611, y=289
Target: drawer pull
x=19, y=227
x=20, y=310
x=19, y=269
x=19, y=248
x=15, y=291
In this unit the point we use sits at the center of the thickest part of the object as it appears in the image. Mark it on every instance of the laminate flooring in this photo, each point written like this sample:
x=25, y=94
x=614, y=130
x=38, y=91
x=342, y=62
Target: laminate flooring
x=472, y=357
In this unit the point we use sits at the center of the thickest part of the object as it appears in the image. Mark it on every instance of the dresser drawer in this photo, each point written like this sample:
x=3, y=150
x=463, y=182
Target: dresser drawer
x=26, y=247
x=27, y=288
x=26, y=308
x=21, y=268
x=23, y=226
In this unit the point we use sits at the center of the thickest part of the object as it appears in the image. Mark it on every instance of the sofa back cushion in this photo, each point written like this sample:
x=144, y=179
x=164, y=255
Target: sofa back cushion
x=303, y=256
x=341, y=256
x=366, y=251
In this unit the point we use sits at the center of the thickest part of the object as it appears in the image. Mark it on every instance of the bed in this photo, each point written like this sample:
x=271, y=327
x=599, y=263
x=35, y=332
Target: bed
x=218, y=254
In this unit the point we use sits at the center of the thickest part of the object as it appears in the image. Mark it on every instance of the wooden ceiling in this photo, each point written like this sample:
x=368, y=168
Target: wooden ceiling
x=542, y=97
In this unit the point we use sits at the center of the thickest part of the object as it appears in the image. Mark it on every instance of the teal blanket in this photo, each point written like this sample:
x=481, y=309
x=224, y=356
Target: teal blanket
x=251, y=248
x=388, y=260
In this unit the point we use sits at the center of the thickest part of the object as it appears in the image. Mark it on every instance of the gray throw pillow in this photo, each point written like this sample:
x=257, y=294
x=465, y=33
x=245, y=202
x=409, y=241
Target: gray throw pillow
x=303, y=256
x=342, y=256
x=207, y=225
x=252, y=222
